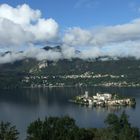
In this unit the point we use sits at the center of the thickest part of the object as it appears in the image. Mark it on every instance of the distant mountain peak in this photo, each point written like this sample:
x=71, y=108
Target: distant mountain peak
x=55, y=48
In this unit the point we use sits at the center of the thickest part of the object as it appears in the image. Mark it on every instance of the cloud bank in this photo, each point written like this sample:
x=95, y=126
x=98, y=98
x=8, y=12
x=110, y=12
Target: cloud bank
x=23, y=26
x=104, y=35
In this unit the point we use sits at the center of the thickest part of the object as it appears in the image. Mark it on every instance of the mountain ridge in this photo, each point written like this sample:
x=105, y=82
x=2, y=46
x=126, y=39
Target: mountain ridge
x=19, y=70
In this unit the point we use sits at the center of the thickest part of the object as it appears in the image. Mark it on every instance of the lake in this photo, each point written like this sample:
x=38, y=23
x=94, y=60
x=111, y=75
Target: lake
x=22, y=106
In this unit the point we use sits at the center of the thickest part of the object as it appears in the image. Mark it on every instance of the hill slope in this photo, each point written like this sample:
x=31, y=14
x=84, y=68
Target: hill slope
x=77, y=72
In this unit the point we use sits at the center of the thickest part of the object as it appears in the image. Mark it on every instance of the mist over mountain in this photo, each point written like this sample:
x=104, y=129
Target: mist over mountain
x=64, y=52
x=102, y=70
x=24, y=30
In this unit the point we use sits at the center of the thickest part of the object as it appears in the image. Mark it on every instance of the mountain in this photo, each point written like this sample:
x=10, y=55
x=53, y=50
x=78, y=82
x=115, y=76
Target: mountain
x=56, y=48
x=102, y=71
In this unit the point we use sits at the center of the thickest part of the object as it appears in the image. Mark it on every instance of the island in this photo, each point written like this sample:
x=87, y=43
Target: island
x=103, y=99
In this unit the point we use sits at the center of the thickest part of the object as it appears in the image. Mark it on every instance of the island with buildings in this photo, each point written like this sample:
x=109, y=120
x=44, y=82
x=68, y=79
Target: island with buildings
x=103, y=99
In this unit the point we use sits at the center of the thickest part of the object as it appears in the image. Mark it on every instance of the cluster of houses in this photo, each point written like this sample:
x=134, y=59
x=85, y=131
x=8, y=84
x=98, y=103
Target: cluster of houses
x=118, y=84
x=104, y=99
x=90, y=75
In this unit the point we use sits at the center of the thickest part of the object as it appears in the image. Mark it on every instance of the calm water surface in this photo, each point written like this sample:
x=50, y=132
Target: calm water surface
x=22, y=106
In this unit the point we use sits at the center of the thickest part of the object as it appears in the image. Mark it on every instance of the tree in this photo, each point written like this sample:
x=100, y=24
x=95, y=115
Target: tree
x=120, y=129
x=8, y=132
x=55, y=128
x=64, y=128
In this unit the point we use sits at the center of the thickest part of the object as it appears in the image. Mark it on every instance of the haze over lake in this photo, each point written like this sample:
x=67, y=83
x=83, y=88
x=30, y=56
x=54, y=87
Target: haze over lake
x=22, y=106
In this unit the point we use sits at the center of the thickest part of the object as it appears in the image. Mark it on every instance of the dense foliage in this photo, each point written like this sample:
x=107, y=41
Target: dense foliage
x=55, y=128
x=8, y=132
x=64, y=128
x=120, y=128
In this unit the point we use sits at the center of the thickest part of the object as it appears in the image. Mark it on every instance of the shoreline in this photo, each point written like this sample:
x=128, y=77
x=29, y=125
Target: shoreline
x=103, y=100
x=66, y=86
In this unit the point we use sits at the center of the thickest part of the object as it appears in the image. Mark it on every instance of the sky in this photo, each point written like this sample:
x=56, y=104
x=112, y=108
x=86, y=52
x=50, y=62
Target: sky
x=95, y=27
x=84, y=13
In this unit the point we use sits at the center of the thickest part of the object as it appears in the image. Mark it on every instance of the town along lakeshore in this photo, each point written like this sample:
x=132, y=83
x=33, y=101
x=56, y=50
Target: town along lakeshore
x=103, y=100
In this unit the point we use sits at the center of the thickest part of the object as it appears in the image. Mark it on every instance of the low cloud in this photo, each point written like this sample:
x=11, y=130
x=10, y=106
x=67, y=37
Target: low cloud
x=31, y=52
x=120, y=50
x=117, y=51
x=39, y=54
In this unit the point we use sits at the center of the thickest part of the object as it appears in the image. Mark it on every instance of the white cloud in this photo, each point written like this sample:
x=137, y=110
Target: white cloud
x=23, y=25
x=31, y=52
x=68, y=52
x=114, y=41
x=44, y=30
x=103, y=36
x=12, y=34
x=125, y=49
x=11, y=57
x=41, y=54
x=22, y=14
x=77, y=36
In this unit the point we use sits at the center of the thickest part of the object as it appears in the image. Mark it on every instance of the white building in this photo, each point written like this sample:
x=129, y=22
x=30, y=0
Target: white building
x=86, y=94
x=103, y=97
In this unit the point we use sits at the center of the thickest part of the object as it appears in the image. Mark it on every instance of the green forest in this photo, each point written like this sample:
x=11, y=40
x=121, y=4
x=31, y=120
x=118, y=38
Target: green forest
x=13, y=74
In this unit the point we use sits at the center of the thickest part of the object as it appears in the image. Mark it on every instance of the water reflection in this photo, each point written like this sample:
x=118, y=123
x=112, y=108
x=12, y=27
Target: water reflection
x=22, y=106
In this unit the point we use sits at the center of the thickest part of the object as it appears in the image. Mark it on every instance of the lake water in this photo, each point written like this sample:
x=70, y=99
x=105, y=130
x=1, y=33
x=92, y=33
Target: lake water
x=22, y=106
